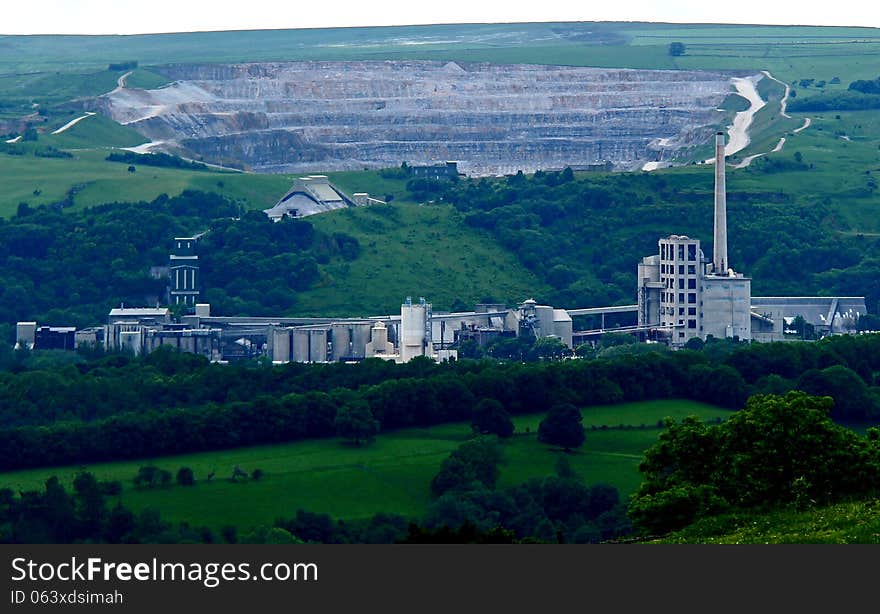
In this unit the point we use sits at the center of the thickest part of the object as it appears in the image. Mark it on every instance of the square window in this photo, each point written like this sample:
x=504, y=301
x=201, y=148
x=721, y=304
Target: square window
x=681, y=311
x=692, y=297
x=692, y=269
x=692, y=284
x=692, y=311
x=692, y=323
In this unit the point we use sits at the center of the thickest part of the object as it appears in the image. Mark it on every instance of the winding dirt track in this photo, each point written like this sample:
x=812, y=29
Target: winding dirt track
x=783, y=113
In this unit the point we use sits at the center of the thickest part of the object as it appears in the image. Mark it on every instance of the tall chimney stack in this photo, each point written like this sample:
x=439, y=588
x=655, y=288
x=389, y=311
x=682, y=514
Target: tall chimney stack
x=719, y=259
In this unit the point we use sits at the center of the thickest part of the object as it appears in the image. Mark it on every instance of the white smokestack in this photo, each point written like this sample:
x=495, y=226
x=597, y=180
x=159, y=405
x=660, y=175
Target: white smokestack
x=719, y=260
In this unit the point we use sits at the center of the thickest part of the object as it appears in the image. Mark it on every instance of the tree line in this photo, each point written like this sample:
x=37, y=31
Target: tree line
x=170, y=403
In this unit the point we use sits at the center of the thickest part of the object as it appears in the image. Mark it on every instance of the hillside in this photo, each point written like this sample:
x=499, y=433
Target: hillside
x=816, y=193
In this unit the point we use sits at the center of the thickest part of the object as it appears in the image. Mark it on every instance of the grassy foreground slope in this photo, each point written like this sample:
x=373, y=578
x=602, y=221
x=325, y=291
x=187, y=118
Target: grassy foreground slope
x=391, y=475
x=857, y=522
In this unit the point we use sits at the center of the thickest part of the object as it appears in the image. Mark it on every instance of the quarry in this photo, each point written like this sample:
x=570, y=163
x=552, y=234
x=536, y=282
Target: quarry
x=494, y=119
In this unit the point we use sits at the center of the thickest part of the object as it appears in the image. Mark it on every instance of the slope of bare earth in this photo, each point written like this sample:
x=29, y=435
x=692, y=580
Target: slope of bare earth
x=308, y=116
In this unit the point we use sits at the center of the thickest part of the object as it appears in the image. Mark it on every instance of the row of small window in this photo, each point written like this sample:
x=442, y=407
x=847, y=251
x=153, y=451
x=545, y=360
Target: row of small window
x=670, y=269
x=669, y=297
x=691, y=323
x=669, y=282
x=668, y=251
x=691, y=311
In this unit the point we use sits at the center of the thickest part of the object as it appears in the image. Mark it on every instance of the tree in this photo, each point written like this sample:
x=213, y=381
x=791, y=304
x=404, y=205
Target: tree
x=585, y=350
x=562, y=427
x=472, y=465
x=778, y=450
x=146, y=476
x=852, y=397
x=676, y=49
x=694, y=343
x=185, y=477
x=490, y=417
x=151, y=476
x=355, y=423
x=548, y=348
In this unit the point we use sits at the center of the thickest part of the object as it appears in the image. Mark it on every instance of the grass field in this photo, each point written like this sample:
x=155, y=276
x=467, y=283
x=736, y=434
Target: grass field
x=391, y=475
x=93, y=132
x=856, y=522
x=413, y=250
x=40, y=181
x=145, y=80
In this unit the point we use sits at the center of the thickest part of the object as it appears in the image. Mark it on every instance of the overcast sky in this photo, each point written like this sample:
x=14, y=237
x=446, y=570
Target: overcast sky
x=143, y=16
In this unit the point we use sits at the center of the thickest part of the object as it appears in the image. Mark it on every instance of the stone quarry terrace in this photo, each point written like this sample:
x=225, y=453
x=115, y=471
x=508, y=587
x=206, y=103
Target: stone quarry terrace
x=329, y=116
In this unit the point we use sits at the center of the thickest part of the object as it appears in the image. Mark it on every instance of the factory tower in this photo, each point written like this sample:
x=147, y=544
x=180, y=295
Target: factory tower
x=719, y=260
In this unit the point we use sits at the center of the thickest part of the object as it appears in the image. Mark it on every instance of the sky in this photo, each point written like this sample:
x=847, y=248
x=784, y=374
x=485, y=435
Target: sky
x=149, y=16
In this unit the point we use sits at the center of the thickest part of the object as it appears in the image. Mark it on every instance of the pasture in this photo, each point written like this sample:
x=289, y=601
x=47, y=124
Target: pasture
x=392, y=474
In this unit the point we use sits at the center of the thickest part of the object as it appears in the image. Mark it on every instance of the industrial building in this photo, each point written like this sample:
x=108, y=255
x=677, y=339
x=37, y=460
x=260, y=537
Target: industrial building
x=316, y=194
x=183, y=268
x=144, y=329
x=29, y=335
x=683, y=295
x=445, y=171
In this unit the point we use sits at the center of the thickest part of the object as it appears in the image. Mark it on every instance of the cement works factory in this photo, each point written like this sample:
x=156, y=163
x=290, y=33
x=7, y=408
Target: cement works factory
x=682, y=295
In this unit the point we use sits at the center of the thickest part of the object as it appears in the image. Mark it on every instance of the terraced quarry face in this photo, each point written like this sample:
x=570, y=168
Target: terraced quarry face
x=329, y=116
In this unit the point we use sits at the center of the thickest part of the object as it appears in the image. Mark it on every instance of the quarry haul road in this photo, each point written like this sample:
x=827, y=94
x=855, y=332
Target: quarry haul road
x=783, y=113
x=738, y=131
x=120, y=83
x=72, y=123
x=742, y=121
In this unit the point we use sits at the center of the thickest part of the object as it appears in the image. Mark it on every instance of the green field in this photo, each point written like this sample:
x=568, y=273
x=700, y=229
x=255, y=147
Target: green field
x=39, y=181
x=413, y=250
x=390, y=475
